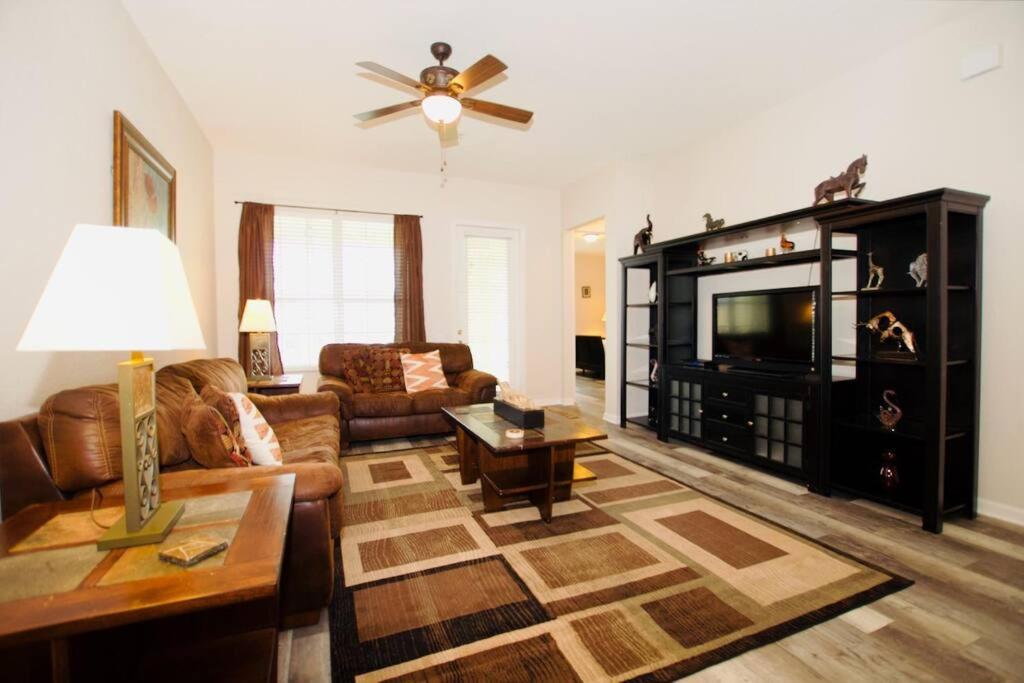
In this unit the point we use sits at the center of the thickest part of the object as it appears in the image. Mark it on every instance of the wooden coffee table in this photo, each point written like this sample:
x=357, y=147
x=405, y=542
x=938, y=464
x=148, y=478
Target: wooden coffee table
x=540, y=466
x=71, y=612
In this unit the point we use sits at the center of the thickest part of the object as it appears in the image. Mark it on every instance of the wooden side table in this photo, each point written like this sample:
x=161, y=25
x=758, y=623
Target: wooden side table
x=276, y=385
x=71, y=612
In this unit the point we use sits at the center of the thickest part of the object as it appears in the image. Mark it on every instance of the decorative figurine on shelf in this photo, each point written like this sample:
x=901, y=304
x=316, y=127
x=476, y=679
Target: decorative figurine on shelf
x=654, y=373
x=652, y=293
x=711, y=224
x=891, y=414
x=785, y=244
x=876, y=273
x=889, y=474
x=848, y=181
x=770, y=251
x=703, y=259
x=741, y=255
x=893, y=329
x=642, y=239
x=728, y=258
x=919, y=270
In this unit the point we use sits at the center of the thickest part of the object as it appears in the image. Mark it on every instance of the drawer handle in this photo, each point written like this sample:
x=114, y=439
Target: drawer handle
x=725, y=438
x=724, y=416
x=750, y=423
x=700, y=411
x=725, y=394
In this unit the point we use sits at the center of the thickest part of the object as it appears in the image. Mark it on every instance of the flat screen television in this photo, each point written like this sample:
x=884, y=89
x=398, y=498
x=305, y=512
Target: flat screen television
x=768, y=329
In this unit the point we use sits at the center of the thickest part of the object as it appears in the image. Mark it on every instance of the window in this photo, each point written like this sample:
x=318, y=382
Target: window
x=334, y=281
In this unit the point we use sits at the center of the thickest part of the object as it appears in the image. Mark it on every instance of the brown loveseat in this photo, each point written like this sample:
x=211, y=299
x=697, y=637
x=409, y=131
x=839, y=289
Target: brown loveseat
x=73, y=446
x=367, y=415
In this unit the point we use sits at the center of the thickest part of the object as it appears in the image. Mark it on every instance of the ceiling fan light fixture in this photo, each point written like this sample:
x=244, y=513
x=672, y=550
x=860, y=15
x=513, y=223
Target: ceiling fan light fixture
x=441, y=108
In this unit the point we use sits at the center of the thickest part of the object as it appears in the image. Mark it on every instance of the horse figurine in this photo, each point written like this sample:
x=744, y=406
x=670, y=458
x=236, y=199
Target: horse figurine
x=849, y=182
x=710, y=224
x=643, y=238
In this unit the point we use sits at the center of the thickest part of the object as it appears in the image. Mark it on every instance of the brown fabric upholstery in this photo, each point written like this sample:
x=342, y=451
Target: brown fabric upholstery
x=302, y=439
x=409, y=321
x=382, y=416
x=224, y=373
x=256, y=273
x=279, y=409
x=432, y=400
x=386, y=374
x=479, y=385
x=391, y=404
x=173, y=396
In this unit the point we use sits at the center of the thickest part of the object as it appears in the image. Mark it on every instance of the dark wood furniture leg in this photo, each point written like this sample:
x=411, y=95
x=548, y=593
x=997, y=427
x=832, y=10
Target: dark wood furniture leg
x=469, y=458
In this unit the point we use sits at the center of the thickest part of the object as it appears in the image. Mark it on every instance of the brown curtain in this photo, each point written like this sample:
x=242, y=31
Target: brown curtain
x=256, y=273
x=409, y=324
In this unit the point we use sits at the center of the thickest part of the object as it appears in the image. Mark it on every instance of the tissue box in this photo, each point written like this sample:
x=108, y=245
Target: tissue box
x=527, y=419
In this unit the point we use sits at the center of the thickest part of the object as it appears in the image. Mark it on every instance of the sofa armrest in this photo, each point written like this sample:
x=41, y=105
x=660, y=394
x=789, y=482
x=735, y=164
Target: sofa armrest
x=479, y=385
x=290, y=407
x=340, y=388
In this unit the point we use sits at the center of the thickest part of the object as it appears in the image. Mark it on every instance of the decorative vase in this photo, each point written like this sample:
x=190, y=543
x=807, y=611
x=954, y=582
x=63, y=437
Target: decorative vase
x=889, y=472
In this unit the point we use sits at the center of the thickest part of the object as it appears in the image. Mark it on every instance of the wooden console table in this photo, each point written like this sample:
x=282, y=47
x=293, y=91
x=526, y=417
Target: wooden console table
x=71, y=612
x=540, y=466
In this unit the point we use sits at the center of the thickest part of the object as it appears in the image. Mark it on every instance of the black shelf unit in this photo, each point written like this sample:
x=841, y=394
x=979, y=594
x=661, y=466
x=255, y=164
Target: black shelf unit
x=641, y=320
x=935, y=445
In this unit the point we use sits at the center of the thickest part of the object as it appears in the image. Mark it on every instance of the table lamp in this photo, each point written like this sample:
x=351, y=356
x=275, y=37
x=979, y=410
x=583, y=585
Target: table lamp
x=258, y=321
x=123, y=289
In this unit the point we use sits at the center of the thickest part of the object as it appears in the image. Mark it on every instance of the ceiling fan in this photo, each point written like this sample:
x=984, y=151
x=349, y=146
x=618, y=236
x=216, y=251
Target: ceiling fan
x=442, y=88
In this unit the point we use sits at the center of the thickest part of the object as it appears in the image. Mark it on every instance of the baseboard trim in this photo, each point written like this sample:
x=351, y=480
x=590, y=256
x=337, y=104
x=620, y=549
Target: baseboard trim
x=609, y=417
x=1007, y=513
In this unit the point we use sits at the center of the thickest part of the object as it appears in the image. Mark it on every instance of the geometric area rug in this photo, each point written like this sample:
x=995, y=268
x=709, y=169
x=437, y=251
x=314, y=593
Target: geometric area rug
x=637, y=577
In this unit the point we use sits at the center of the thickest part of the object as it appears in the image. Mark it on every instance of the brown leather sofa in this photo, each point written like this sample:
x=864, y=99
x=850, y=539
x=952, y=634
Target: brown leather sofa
x=366, y=416
x=72, y=446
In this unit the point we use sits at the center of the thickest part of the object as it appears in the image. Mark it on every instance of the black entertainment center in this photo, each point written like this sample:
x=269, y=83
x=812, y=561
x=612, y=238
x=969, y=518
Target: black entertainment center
x=771, y=395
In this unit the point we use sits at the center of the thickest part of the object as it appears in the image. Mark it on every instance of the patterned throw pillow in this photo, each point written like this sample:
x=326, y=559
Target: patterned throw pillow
x=423, y=371
x=386, y=369
x=355, y=369
x=258, y=436
x=212, y=441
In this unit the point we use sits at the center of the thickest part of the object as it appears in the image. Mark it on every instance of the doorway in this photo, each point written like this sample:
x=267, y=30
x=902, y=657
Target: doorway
x=589, y=316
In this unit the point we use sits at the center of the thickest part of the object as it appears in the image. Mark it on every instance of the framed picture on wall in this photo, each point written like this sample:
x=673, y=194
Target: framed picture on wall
x=144, y=182
x=586, y=291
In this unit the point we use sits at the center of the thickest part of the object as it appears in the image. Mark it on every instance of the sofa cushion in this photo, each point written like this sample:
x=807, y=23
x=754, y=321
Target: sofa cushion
x=432, y=400
x=301, y=440
x=423, y=371
x=213, y=441
x=393, y=404
x=259, y=436
x=224, y=373
x=385, y=364
x=81, y=431
x=173, y=397
x=355, y=368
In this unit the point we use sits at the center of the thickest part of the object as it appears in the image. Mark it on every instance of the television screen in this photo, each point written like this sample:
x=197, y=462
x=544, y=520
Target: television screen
x=765, y=327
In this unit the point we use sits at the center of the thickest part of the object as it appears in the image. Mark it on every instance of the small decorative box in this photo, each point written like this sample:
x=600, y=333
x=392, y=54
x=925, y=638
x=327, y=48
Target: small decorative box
x=527, y=419
x=194, y=550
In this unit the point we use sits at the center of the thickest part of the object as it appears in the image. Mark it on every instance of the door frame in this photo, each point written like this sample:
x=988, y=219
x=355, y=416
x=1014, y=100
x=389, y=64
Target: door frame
x=517, y=282
x=569, y=307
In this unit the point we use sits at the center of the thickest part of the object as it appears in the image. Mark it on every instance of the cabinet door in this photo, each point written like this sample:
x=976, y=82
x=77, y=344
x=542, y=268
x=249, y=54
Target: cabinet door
x=685, y=407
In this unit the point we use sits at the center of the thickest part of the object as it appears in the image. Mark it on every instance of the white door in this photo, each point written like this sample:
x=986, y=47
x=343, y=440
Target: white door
x=488, y=294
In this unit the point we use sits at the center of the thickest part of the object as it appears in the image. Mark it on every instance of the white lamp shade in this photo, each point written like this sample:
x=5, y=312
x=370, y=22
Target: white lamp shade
x=258, y=316
x=441, y=108
x=115, y=289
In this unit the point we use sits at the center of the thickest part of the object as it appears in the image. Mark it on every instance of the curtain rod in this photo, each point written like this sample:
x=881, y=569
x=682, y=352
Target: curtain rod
x=323, y=208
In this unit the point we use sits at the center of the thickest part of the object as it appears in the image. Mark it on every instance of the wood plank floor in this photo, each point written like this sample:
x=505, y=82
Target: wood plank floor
x=963, y=620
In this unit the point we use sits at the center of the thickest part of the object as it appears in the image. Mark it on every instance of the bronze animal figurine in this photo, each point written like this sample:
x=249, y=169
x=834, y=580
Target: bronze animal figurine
x=785, y=244
x=848, y=181
x=893, y=329
x=891, y=414
x=643, y=238
x=711, y=224
x=876, y=275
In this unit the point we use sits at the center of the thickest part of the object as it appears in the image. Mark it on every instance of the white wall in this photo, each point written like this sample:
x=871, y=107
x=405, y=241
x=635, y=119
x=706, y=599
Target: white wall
x=66, y=66
x=921, y=127
x=252, y=176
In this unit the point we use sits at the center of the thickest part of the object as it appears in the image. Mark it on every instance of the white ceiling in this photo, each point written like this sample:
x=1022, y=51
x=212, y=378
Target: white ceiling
x=607, y=80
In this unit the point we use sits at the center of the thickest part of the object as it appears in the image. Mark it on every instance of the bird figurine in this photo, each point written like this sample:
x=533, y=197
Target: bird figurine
x=891, y=414
x=785, y=244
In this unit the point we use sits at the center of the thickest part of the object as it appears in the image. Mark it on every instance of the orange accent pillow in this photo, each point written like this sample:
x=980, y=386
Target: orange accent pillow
x=423, y=371
x=260, y=439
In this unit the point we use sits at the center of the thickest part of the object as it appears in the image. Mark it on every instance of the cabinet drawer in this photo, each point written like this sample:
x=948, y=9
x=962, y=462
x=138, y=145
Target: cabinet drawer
x=726, y=393
x=730, y=413
x=723, y=434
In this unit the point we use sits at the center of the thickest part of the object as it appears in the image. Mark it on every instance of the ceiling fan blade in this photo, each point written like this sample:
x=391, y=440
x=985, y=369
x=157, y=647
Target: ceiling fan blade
x=484, y=70
x=384, y=111
x=389, y=73
x=501, y=111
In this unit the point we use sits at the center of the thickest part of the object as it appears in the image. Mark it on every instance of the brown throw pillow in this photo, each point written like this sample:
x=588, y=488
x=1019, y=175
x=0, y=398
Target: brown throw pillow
x=219, y=399
x=386, y=369
x=213, y=442
x=355, y=369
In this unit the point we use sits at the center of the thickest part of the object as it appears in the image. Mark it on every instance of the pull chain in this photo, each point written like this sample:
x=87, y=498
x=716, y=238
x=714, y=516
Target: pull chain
x=444, y=159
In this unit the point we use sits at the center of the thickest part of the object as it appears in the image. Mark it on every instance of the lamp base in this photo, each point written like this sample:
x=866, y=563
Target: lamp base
x=155, y=530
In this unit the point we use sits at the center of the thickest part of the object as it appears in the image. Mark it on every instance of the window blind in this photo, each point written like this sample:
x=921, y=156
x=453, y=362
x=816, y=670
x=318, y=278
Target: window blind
x=334, y=281
x=488, y=303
